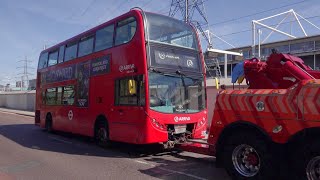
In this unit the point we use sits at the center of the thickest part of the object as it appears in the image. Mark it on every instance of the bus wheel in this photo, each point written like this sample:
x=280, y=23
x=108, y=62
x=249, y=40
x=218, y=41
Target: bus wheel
x=102, y=134
x=48, y=125
x=246, y=156
x=307, y=161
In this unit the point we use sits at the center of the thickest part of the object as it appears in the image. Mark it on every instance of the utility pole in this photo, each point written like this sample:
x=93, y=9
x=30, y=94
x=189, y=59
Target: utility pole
x=188, y=10
x=25, y=74
x=186, y=19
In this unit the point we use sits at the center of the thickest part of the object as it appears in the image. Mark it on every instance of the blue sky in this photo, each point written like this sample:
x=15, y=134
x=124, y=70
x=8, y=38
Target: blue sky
x=26, y=26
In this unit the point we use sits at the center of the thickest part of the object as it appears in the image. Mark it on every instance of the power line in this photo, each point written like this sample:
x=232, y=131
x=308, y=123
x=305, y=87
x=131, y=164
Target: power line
x=249, y=15
x=146, y=4
x=111, y=11
x=108, y=11
x=72, y=15
x=25, y=74
x=161, y=11
x=88, y=7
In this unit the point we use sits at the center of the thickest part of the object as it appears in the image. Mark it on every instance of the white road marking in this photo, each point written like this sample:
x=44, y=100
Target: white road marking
x=142, y=162
x=61, y=140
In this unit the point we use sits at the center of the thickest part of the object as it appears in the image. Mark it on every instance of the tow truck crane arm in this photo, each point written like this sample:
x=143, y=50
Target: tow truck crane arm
x=280, y=71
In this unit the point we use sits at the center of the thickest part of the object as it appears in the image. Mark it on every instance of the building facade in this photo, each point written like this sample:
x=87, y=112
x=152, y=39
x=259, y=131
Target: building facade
x=21, y=85
x=307, y=48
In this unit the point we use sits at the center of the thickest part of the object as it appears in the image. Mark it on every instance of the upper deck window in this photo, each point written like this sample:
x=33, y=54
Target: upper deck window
x=170, y=31
x=125, y=30
x=53, y=58
x=104, y=38
x=43, y=60
x=71, y=52
x=61, y=54
x=85, y=46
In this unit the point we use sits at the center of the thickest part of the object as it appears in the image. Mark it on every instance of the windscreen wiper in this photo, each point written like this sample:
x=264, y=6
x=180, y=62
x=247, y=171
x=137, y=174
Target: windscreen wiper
x=160, y=72
x=180, y=73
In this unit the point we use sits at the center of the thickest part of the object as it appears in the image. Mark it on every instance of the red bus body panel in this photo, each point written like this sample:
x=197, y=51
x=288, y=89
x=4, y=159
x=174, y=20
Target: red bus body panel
x=131, y=124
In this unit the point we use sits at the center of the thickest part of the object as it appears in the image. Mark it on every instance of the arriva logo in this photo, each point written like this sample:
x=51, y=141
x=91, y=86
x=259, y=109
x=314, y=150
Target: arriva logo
x=177, y=119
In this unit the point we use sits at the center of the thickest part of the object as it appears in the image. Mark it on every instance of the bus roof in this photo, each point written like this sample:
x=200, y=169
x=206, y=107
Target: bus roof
x=88, y=32
x=94, y=29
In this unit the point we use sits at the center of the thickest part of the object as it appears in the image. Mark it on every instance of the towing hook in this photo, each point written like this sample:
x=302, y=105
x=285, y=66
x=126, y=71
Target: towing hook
x=168, y=145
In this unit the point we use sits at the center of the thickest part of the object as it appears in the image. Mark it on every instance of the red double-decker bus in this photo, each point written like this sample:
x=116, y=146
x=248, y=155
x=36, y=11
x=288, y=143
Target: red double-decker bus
x=138, y=78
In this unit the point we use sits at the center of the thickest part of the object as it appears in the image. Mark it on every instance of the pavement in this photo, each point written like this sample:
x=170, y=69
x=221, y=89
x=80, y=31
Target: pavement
x=28, y=152
x=19, y=112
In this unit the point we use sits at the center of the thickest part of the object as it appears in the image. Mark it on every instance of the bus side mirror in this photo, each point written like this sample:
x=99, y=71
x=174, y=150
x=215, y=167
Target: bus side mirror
x=132, y=86
x=217, y=83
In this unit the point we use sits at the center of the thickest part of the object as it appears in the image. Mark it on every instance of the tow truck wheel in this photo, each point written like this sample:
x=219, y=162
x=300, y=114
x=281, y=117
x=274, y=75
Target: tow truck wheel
x=306, y=161
x=246, y=156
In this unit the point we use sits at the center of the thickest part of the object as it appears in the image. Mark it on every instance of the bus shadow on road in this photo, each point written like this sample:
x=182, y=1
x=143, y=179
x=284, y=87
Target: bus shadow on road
x=33, y=137
x=158, y=162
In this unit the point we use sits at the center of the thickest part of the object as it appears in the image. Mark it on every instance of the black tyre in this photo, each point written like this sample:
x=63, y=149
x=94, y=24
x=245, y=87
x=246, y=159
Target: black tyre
x=248, y=156
x=306, y=161
x=48, y=125
x=102, y=133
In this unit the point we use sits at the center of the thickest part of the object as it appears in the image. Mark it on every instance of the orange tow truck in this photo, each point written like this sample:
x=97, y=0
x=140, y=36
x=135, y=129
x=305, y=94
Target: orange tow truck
x=270, y=129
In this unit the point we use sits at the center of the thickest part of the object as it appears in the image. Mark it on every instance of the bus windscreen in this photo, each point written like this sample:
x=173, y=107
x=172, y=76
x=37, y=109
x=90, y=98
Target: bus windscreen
x=171, y=31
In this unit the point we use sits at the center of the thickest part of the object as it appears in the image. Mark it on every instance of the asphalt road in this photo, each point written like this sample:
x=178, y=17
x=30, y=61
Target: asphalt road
x=27, y=152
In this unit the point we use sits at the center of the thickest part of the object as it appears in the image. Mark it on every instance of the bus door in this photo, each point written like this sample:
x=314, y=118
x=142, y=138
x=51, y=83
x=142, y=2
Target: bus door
x=129, y=114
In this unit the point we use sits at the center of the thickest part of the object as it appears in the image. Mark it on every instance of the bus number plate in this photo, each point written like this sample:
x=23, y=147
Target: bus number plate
x=180, y=128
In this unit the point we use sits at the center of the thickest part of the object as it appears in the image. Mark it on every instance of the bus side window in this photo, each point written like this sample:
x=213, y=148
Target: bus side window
x=53, y=58
x=125, y=30
x=68, y=95
x=59, y=96
x=70, y=52
x=43, y=60
x=51, y=96
x=123, y=96
x=61, y=54
x=104, y=38
x=85, y=46
x=130, y=91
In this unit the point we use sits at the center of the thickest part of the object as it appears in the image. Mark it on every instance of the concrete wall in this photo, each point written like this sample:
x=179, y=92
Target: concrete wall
x=18, y=100
x=212, y=93
x=26, y=100
x=211, y=100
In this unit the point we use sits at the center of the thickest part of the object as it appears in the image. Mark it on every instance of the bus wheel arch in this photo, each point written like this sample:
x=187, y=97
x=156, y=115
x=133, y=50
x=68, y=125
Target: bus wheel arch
x=101, y=130
x=49, y=123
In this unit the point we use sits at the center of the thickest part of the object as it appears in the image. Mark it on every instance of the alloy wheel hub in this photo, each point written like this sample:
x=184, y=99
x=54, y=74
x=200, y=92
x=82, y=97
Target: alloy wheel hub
x=246, y=160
